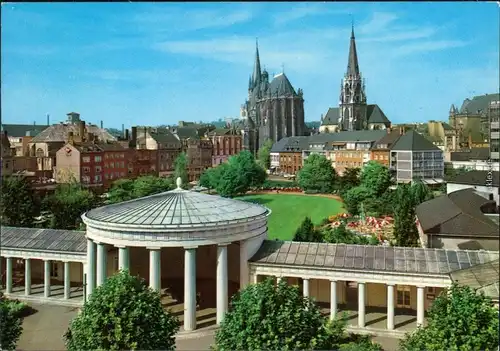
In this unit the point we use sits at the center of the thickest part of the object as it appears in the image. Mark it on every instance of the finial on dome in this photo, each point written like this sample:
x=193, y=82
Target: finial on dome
x=179, y=183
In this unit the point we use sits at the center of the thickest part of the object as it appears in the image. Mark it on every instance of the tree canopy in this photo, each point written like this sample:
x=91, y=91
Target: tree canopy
x=317, y=174
x=67, y=204
x=355, y=197
x=376, y=177
x=123, y=314
x=460, y=319
x=181, y=169
x=268, y=317
x=349, y=179
x=306, y=232
x=405, y=228
x=264, y=154
x=128, y=189
x=11, y=324
x=18, y=204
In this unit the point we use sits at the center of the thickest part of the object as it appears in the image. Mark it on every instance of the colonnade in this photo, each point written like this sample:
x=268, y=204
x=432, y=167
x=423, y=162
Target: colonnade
x=96, y=275
x=27, y=277
x=362, y=299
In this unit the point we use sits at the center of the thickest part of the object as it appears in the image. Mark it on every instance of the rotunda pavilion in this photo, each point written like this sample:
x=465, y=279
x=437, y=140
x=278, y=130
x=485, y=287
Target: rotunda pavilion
x=163, y=226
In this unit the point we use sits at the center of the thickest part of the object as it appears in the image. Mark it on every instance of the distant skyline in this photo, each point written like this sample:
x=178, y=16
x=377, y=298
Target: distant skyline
x=158, y=63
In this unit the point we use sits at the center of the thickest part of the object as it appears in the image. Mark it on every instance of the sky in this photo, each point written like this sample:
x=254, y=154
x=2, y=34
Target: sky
x=158, y=63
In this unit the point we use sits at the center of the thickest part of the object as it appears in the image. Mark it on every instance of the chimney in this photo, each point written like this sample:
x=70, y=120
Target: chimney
x=102, y=125
x=71, y=138
x=81, y=129
x=126, y=134
x=48, y=119
x=134, y=134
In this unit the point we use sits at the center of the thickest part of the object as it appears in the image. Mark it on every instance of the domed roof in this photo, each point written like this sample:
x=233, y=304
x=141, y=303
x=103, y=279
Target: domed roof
x=176, y=209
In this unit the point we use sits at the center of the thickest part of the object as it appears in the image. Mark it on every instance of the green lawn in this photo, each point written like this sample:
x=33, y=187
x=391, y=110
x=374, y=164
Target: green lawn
x=290, y=210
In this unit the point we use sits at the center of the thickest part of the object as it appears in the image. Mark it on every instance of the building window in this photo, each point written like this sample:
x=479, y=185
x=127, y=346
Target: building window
x=97, y=178
x=98, y=169
x=86, y=159
x=54, y=270
x=97, y=158
x=85, y=179
x=86, y=169
x=112, y=165
x=403, y=296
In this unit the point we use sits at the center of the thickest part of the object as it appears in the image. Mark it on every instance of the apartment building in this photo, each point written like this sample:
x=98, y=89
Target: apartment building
x=286, y=155
x=414, y=157
x=494, y=122
x=381, y=149
x=225, y=143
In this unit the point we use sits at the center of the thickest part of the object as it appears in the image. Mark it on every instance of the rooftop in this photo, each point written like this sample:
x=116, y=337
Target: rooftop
x=177, y=208
x=483, y=277
x=477, y=177
x=367, y=257
x=54, y=240
x=413, y=141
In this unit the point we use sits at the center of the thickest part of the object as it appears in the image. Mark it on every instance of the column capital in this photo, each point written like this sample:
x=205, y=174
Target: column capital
x=153, y=248
x=333, y=280
x=421, y=286
x=390, y=284
x=224, y=244
x=121, y=246
x=190, y=247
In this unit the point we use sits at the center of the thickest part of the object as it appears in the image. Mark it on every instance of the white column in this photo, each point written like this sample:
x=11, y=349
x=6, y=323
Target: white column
x=390, y=306
x=67, y=280
x=255, y=278
x=101, y=264
x=333, y=299
x=243, y=264
x=27, y=276
x=123, y=258
x=420, y=305
x=361, y=305
x=155, y=269
x=221, y=282
x=46, y=280
x=305, y=287
x=8, y=275
x=189, y=289
x=90, y=267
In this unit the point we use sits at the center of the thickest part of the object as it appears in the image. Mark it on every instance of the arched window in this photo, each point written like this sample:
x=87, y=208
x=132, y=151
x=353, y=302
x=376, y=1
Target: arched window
x=39, y=152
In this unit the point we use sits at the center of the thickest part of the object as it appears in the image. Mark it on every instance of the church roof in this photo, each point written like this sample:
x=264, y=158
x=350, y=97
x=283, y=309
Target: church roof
x=281, y=86
x=174, y=209
x=59, y=133
x=375, y=114
x=331, y=117
x=352, y=63
x=479, y=104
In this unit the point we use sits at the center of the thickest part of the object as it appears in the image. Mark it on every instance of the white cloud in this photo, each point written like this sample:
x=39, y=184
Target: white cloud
x=305, y=10
x=379, y=22
x=427, y=46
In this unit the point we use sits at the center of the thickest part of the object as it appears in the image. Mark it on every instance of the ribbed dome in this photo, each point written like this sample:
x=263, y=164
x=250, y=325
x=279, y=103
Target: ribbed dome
x=177, y=208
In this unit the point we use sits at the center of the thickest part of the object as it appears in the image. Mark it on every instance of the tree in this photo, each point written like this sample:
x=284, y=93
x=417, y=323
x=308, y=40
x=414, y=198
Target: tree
x=18, y=204
x=342, y=235
x=349, y=179
x=306, y=232
x=317, y=174
x=181, y=169
x=420, y=193
x=354, y=197
x=123, y=314
x=128, y=189
x=67, y=205
x=264, y=154
x=268, y=317
x=405, y=228
x=11, y=325
x=121, y=190
x=376, y=177
x=460, y=319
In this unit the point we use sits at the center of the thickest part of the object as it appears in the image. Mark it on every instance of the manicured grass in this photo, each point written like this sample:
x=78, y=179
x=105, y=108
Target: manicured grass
x=288, y=211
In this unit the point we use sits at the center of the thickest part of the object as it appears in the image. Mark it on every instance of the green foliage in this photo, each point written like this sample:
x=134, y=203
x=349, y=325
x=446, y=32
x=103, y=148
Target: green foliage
x=420, y=193
x=405, y=228
x=349, y=179
x=380, y=205
x=181, y=169
x=128, y=189
x=271, y=184
x=268, y=317
x=238, y=175
x=264, y=154
x=461, y=320
x=67, y=205
x=357, y=342
x=342, y=235
x=18, y=204
x=306, y=232
x=354, y=197
x=451, y=173
x=123, y=314
x=376, y=177
x=11, y=324
x=317, y=174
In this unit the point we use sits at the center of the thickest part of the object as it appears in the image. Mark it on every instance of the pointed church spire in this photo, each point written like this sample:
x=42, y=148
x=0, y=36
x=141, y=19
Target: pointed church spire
x=352, y=64
x=256, y=68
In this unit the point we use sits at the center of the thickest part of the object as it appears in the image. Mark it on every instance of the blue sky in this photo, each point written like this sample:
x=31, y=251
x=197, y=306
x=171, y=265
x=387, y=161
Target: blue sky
x=157, y=63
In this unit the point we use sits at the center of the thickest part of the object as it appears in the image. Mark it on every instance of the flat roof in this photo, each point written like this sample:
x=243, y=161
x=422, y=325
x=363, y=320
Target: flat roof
x=367, y=257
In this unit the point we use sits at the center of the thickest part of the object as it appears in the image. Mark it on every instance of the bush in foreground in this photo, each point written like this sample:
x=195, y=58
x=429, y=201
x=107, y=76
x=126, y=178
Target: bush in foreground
x=11, y=324
x=123, y=314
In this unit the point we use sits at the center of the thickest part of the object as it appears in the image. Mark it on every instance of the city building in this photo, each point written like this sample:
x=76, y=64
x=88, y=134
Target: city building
x=286, y=155
x=45, y=145
x=381, y=149
x=413, y=157
x=21, y=134
x=222, y=248
x=274, y=110
x=471, y=121
x=484, y=182
x=494, y=130
x=226, y=142
x=6, y=153
x=471, y=159
x=442, y=135
x=353, y=112
x=459, y=220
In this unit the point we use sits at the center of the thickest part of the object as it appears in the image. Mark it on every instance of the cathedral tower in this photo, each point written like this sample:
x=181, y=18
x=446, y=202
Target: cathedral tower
x=352, y=104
